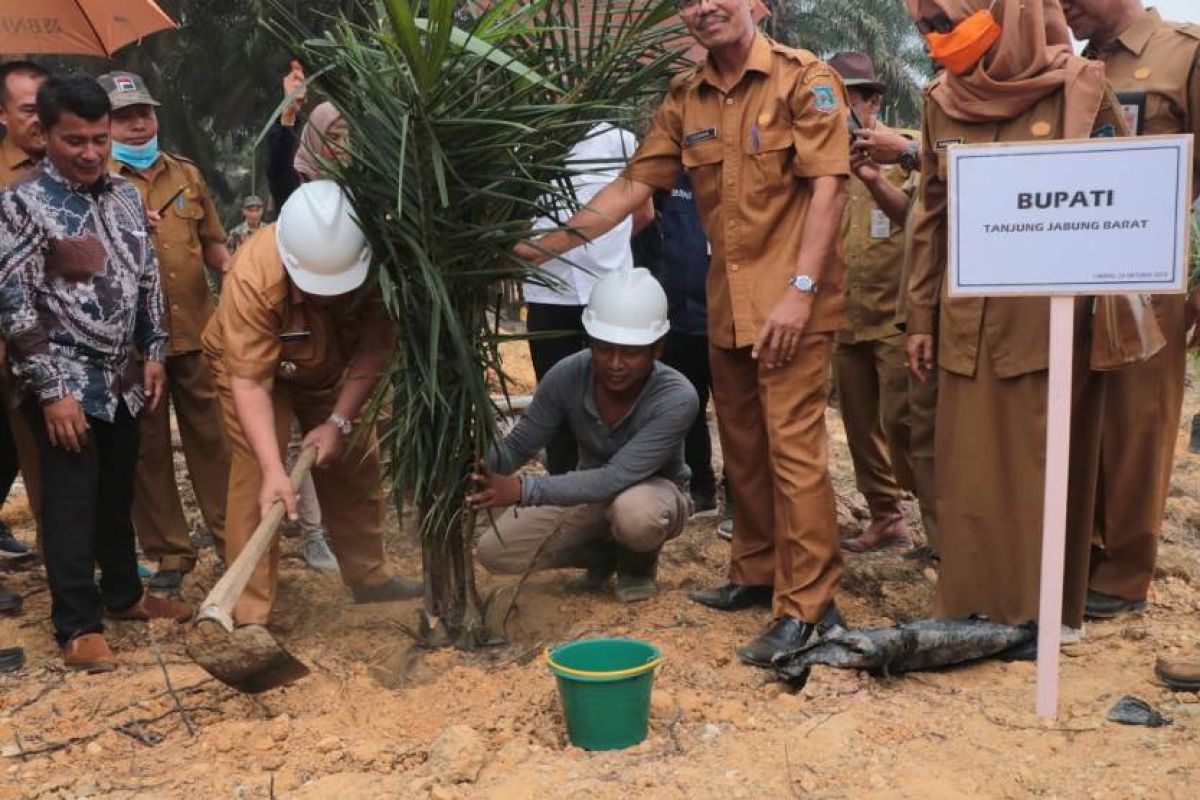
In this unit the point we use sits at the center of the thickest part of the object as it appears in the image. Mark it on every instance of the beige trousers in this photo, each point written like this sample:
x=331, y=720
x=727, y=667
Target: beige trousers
x=642, y=518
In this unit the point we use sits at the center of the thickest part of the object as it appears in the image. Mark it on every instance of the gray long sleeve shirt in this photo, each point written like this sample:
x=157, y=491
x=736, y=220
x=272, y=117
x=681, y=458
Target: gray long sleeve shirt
x=646, y=442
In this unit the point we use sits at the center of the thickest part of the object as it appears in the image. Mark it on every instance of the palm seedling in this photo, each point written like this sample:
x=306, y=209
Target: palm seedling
x=461, y=118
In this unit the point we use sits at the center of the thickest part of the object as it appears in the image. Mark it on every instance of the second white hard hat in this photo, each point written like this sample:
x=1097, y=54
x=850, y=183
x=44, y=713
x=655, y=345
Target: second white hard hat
x=322, y=246
x=627, y=306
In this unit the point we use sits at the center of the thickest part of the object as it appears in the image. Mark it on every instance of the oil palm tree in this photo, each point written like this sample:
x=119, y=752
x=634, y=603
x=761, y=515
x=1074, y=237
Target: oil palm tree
x=460, y=125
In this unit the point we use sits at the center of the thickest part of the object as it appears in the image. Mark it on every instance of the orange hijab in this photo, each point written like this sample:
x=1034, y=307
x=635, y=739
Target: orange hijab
x=1031, y=60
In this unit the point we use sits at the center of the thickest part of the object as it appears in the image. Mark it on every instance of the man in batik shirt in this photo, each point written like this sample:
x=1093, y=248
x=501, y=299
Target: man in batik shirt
x=79, y=297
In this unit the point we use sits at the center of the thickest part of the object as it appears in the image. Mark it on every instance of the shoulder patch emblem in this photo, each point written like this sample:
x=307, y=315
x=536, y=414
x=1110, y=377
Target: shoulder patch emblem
x=824, y=99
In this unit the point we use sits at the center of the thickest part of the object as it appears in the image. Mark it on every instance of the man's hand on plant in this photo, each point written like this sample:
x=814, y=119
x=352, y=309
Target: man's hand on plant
x=492, y=490
x=528, y=251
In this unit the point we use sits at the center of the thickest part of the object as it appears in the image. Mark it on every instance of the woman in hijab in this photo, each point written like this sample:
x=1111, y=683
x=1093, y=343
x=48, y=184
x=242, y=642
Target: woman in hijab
x=1009, y=75
x=290, y=162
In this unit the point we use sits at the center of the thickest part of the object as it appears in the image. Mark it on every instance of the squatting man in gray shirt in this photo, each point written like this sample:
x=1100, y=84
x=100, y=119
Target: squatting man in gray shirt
x=629, y=413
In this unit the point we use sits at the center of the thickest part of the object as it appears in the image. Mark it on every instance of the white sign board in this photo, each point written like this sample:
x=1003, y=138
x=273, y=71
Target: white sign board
x=1102, y=216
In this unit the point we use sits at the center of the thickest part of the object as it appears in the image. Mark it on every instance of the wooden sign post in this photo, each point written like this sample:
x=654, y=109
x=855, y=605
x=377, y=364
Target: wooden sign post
x=1064, y=219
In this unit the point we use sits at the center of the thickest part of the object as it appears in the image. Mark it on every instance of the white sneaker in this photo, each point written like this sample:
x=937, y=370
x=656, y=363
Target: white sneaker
x=316, y=553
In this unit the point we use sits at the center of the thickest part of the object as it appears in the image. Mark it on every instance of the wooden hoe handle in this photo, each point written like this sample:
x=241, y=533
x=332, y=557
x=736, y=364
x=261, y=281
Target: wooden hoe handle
x=218, y=606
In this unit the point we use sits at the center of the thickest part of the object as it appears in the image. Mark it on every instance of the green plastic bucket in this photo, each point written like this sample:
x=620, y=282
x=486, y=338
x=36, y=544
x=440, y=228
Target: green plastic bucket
x=605, y=688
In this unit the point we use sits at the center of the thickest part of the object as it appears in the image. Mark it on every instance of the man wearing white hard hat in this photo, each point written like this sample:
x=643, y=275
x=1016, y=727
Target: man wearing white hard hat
x=294, y=337
x=629, y=414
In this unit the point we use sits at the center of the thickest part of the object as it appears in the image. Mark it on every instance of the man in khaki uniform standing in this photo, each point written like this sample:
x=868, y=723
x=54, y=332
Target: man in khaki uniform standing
x=870, y=364
x=187, y=236
x=23, y=147
x=761, y=129
x=1154, y=65
x=886, y=146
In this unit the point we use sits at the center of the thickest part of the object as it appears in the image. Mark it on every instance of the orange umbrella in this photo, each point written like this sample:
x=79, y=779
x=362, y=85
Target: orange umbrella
x=77, y=27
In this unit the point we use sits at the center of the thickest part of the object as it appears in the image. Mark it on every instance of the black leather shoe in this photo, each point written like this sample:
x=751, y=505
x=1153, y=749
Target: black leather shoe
x=394, y=588
x=785, y=635
x=11, y=659
x=1105, y=606
x=734, y=597
x=10, y=602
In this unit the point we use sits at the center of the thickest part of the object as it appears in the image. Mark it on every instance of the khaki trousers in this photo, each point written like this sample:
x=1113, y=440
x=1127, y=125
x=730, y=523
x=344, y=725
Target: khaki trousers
x=991, y=444
x=349, y=491
x=922, y=419
x=158, y=515
x=1137, y=452
x=642, y=518
x=872, y=385
x=28, y=460
x=776, y=450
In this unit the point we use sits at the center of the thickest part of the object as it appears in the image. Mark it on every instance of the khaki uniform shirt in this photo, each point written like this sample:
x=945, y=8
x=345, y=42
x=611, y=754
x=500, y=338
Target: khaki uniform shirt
x=874, y=249
x=189, y=224
x=1155, y=67
x=265, y=328
x=915, y=206
x=1017, y=328
x=751, y=151
x=15, y=164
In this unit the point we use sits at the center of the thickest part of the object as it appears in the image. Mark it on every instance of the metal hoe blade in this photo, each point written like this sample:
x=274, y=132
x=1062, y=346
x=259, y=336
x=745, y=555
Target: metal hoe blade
x=247, y=658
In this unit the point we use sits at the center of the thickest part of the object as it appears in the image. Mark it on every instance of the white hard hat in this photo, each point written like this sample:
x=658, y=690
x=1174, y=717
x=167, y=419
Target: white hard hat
x=322, y=247
x=627, y=306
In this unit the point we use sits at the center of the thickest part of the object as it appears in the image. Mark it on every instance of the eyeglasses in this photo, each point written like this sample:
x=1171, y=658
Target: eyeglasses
x=941, y=23
x=936, y=24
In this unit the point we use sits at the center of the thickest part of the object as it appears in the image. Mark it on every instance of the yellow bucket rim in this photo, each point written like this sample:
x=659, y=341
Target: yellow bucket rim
x=615, y=674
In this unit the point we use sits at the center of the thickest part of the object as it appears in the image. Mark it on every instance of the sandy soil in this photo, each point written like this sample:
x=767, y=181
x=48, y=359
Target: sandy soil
x=376, y=718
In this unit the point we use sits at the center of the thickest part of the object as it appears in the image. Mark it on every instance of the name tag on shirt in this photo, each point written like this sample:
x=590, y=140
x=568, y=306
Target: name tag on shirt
x=881, y=225
x=699, y=136
x=1133, y=105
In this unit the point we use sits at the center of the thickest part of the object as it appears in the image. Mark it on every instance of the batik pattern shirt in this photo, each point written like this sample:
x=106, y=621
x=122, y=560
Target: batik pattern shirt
x=79, y=291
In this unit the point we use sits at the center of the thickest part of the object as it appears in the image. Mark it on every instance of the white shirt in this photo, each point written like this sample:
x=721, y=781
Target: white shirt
x=594, y=162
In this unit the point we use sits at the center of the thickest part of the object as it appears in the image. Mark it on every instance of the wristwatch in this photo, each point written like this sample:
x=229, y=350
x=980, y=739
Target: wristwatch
x=909, y=159
x=343, y=425
x=803, y=283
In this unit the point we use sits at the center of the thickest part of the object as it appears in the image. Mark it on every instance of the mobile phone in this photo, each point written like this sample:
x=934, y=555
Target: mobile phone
x=855, y=124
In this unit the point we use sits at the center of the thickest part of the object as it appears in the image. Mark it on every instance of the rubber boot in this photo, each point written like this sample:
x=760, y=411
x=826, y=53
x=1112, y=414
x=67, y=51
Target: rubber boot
x=887, y=530
x=594, y=580
x=635, y=575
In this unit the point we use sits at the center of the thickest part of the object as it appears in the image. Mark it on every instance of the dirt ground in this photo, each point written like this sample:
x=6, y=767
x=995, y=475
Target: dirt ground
x=378, y=718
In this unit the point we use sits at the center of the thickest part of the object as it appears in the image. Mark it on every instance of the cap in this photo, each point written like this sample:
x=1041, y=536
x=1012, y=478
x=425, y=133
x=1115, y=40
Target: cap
x=856, y=69
x=251, y=201
x=126, y=89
